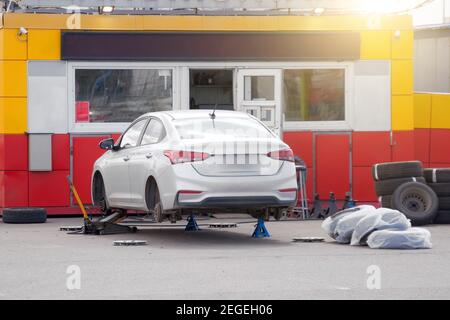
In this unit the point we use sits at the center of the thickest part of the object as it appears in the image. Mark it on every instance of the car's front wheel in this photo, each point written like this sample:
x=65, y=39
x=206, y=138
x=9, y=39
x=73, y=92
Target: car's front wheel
x=99, y=194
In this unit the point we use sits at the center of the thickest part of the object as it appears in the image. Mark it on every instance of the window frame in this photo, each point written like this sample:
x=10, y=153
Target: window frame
x=101, y=127
x=119, y=141
x=292, y=125
x=161, y=137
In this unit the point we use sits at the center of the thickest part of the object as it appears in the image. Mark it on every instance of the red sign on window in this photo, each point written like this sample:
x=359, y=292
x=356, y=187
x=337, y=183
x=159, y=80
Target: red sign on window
x=82, y=111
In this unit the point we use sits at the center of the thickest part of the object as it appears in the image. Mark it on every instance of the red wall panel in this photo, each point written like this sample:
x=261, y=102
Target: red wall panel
x=403, y=146
x=61, y=152
x=13, y=152
x=363, y=185
x=440, y=146
x=422, y=145
x=49, y=189
x=370, y=148
x=302, y=145
x=14, y=188
x=439, y=165
x=116, y=136
x=333, y=164
x=85, y=152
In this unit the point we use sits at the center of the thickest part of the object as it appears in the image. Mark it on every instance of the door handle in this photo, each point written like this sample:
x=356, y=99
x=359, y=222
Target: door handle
x=149, y=155
x=126, y=158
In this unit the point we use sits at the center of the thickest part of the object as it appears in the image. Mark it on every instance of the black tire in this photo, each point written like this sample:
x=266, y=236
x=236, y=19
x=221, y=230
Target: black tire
x=437, y=175
x=385, y=201
x=441, y=189
x=396, y=170
x=99, y=194
x=24, y=215
x=158, y=212
x=417, y=202
x=444, y=203
x=153, y=201
x=387, y=187
x=443, y=217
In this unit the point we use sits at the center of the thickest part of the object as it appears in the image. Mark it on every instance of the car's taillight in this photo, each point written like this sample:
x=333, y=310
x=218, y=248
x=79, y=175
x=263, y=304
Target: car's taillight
x=179, y=156
x=285, y=154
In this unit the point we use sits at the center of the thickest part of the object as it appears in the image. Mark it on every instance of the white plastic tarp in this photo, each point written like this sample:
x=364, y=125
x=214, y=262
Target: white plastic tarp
x=379, y=219
x=346, y=220
x=413, y=238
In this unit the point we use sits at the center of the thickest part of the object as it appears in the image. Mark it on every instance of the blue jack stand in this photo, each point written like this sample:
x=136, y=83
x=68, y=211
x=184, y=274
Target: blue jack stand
x=349, y=202
x=260, y=230
x=192, y=224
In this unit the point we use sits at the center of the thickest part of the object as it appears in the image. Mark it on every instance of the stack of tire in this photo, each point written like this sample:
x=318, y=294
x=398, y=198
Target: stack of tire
x=402, y=186
x=439, y=181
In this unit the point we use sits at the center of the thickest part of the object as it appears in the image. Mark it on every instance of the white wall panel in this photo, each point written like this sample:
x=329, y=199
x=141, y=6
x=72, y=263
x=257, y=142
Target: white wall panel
x=372, y=96
x=47, y=97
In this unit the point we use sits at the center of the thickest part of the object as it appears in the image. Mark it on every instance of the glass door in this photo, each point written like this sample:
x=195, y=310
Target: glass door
x=259, y=94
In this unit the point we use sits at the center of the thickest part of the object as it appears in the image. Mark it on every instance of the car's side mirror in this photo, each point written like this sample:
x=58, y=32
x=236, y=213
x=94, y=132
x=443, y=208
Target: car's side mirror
x=107, y=144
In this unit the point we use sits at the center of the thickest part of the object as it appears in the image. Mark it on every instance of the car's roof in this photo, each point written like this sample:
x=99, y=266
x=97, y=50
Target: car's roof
x=192, y=114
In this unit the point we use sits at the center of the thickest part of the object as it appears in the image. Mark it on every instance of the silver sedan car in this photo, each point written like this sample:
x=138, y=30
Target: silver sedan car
x=183, y=162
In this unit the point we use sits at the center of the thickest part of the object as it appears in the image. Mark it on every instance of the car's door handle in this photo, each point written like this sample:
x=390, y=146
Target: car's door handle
x=149, y=155
x=126, y=158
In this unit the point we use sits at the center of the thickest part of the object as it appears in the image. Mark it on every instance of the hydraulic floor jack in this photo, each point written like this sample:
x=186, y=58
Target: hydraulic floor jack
x=105, y=225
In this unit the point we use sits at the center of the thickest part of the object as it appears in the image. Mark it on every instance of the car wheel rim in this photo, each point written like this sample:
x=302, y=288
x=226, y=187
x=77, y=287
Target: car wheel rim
x=415, y=202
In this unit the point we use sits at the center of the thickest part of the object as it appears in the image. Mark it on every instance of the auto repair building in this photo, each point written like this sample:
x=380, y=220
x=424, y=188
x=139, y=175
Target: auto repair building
x=337, y=88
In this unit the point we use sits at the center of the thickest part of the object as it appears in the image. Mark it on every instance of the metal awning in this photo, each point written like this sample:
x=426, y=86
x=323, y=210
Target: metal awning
x=330, y=6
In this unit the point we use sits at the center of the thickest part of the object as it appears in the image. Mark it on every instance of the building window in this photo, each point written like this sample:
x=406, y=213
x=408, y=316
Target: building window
x=211, y=88
x=120, y=95
x=314, y=94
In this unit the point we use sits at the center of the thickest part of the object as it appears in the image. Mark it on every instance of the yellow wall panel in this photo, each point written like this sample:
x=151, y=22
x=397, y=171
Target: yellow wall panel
x=402, y=113
x=172, y=23
x=402, y=77
x=111, y=22
x=13, y=78
x=440, y=111
x=12, y=46
x=285, y=23
x=230, y=23
x=375, y=45
x=44, y=44
x=422, y=110
x=403, y=44
x=13, y=115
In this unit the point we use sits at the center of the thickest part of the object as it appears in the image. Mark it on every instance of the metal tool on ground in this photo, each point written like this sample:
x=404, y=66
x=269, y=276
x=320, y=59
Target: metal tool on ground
x=192, y=224
x=348, y=202
x=129, y=243
x=261, y=230
x=71, y=228
x=222, y=225
x=105, y=225
x=308, y=239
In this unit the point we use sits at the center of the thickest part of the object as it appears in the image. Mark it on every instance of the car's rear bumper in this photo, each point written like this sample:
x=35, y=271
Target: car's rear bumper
x=236, y=202
x=183, y=187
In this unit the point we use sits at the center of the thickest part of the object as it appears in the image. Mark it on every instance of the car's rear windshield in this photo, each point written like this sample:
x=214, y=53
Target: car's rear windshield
x=205, y=128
